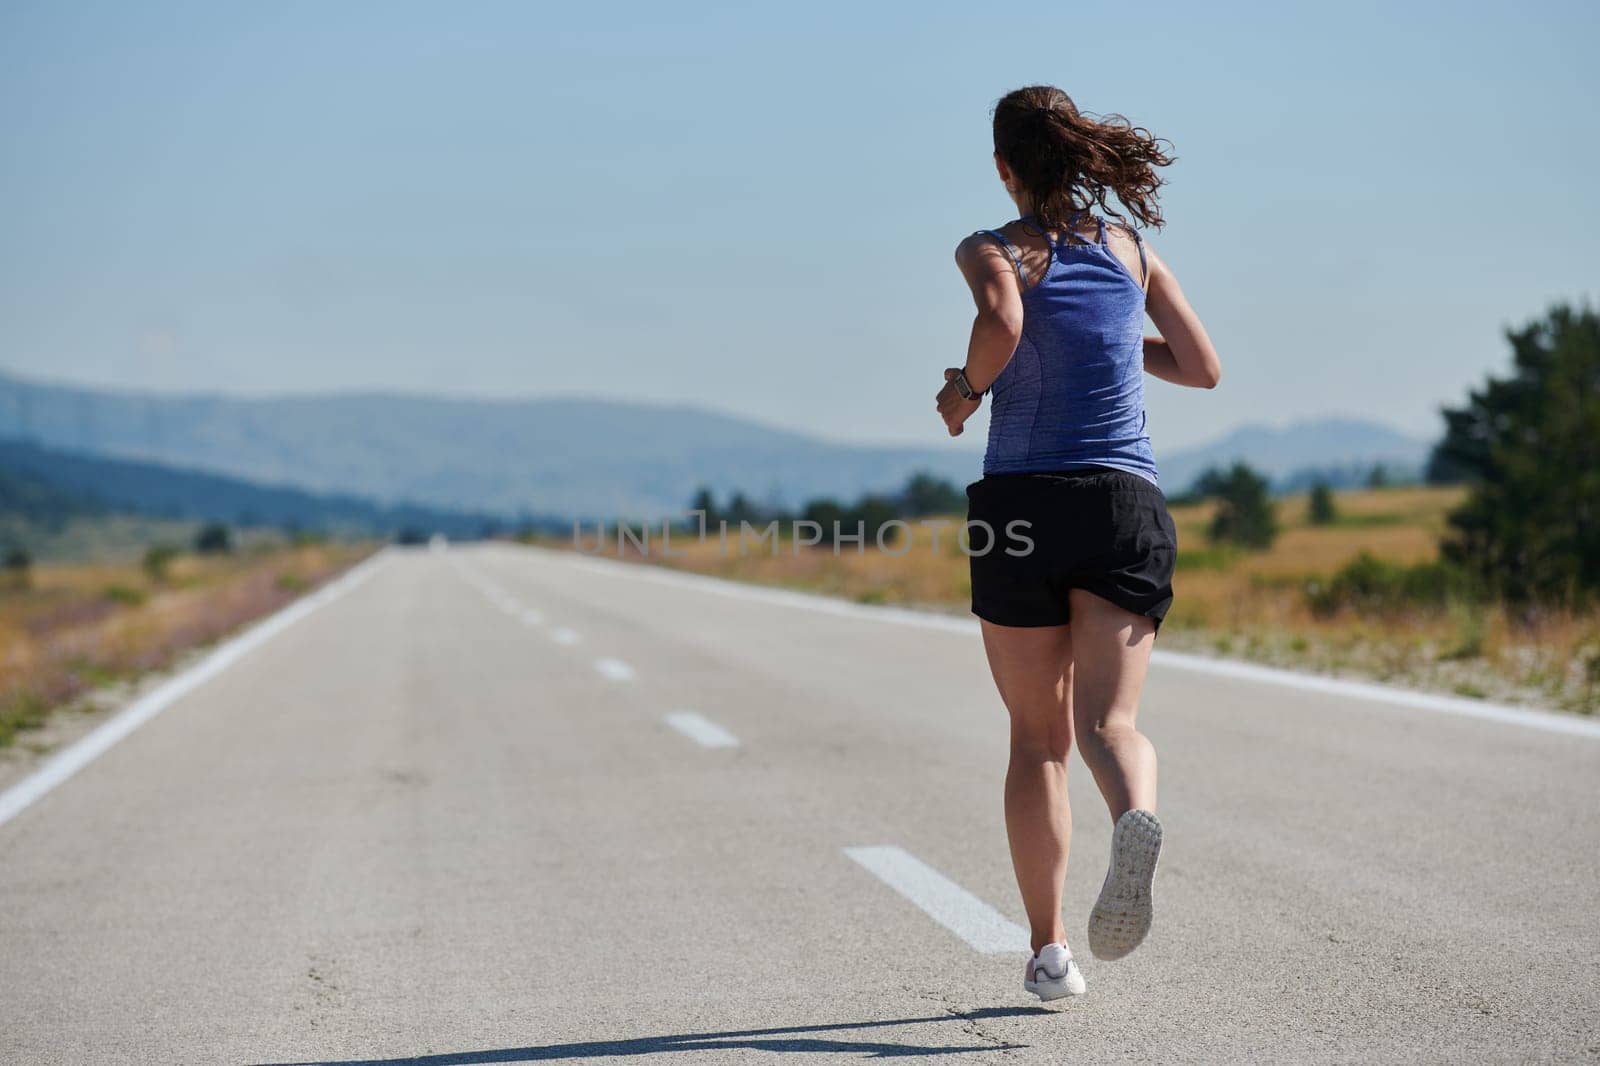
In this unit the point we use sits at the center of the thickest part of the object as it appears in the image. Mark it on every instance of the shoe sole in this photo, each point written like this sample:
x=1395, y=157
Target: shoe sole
x=1121, y=917
x=1048, y=990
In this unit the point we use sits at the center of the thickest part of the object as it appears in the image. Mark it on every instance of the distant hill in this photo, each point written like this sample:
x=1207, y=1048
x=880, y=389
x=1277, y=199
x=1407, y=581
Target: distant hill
x=572, y=457
x=27, y=497
x=575, y=457
x=1340, y=450
x=46, y=487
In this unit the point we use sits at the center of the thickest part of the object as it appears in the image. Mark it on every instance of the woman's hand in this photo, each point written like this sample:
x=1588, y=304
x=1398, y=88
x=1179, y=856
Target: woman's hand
x=952, y=408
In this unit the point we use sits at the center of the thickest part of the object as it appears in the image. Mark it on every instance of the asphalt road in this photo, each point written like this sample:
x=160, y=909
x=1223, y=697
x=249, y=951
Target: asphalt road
x=495, y=806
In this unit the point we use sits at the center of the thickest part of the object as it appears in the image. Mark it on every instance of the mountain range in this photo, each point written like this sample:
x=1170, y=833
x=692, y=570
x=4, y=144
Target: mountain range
x=47, y=487
x=568, y=457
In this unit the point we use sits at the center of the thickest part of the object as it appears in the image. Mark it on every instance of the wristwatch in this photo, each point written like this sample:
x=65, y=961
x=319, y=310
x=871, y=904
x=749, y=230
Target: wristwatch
x=964, y=387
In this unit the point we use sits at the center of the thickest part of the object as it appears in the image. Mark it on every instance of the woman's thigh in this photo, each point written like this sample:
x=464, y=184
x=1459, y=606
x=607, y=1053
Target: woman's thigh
x=1111, y=652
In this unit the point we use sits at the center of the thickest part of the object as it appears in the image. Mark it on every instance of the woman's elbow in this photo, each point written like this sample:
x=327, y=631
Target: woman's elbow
x=1206, y=369
x=1003, y=323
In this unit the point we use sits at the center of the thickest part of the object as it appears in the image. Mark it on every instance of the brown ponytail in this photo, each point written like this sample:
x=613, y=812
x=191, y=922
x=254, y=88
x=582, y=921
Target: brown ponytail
x=1067, y=161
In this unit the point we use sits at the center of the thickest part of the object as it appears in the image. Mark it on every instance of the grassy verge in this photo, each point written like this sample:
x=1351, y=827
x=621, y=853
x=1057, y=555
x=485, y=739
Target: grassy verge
x=1361, y=596
x=74, y=627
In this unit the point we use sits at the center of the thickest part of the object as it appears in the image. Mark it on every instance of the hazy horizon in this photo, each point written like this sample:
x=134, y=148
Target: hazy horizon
x=968, y=441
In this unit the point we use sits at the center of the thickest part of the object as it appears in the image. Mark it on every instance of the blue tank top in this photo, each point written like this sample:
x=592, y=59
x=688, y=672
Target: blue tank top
x=1073, y=394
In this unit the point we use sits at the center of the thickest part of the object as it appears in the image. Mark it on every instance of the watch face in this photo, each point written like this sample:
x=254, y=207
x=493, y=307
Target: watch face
x=963, y=387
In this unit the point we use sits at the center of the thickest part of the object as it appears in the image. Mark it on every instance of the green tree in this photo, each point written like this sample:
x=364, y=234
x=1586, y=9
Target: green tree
x=1379, y=477
x=18, y=566
x=1323, y=511
x=874, y=512
x=1211, y=483
x=214, y=538
x=926, y=494
x=1245, y=512
x=1529, y=445
x=704, y=501
x=741, y=509
x=825, y=511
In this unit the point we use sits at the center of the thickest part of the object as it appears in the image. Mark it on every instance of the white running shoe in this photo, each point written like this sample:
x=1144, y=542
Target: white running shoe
x=1121, y=917
x=1052, y=974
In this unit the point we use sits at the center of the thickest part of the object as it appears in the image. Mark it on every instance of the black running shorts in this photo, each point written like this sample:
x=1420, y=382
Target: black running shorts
x=1103, y=530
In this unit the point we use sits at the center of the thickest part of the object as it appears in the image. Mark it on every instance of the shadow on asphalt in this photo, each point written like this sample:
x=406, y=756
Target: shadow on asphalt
x=788, y=1038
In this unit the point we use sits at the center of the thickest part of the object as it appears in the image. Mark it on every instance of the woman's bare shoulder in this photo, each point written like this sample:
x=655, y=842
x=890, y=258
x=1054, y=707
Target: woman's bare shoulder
x=1121, y=229
x=1132, y=248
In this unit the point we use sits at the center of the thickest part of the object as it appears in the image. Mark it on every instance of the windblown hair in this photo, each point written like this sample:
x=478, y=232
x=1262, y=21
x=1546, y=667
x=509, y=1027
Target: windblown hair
x=1068, y=161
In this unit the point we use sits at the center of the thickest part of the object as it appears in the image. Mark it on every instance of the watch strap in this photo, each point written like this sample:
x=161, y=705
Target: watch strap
x=964, y=387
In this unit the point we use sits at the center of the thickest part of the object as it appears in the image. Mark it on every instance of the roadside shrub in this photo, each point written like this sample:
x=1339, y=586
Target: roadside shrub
x=158, y=560
x=1591, y=683
x=1472, y=633
x=20, y=710
x=1218, y=557
x=1373, y=585
x=126, y=595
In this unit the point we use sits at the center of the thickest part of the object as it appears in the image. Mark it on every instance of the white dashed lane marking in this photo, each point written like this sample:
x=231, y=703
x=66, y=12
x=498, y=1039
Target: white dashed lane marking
x=614, y=670
x=968, y=917
x=702, y=730
x=565, y=637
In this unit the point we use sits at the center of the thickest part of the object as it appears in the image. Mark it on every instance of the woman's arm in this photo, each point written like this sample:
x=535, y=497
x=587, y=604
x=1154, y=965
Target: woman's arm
x=1183, y=354
x=996, y=328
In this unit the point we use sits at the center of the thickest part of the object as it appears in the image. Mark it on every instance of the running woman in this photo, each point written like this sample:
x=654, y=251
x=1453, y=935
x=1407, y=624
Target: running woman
x=1062, y=292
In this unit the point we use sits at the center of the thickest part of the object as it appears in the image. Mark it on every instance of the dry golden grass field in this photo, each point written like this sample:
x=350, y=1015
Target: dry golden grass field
x=1255, y=604
x=72, y=627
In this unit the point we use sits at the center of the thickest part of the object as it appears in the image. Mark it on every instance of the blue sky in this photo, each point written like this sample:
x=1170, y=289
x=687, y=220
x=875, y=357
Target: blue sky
x=754, y=207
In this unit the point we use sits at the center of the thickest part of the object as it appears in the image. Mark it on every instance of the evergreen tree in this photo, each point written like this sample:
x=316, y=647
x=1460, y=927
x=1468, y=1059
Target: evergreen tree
x=18, y=566
x=1323, y=512
x=1245, y=512
x=740, y=509
x=214, y=538
x=1529, y=445
x=704, y=501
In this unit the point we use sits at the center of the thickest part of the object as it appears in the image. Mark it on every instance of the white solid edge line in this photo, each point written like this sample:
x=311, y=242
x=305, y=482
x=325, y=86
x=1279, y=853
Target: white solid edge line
x=968, y=917
x=702, y=730
x=69, y=760
x=1508, y=714
x=614, y=670
x=1237, y=669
